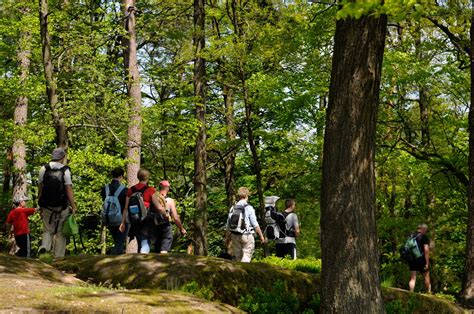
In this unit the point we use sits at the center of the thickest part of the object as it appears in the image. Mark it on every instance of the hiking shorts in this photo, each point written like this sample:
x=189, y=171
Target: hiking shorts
x=418, y=264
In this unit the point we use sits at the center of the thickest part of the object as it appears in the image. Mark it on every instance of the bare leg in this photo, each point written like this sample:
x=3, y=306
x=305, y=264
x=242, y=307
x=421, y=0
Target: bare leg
x=412, y=282
x=426, y=276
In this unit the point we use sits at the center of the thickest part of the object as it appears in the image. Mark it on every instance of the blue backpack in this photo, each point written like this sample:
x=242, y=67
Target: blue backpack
x=112, y=210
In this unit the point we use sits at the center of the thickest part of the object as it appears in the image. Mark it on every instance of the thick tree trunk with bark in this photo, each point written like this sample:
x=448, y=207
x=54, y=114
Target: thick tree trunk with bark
x=51, y=87
x=134, y=92
x=467, y=293
x=20, y=114
x=200, y=155
x=350, y=269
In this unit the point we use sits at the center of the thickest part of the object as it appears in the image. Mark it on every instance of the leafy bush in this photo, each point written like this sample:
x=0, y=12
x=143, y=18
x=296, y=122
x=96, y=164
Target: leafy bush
x=193, y=287
x=277, y=300
x=307, y=265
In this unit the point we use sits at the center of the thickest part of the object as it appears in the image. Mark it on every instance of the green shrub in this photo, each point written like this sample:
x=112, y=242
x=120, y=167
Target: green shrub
x=193, y=287
x=277, y=300
x=307, y=265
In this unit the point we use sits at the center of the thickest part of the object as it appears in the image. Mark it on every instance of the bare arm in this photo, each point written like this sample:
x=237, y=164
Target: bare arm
x=297, y=231
x=174, y=215
x=260, y=234
x=426, y=249
x=70, y=197
x=124, y=215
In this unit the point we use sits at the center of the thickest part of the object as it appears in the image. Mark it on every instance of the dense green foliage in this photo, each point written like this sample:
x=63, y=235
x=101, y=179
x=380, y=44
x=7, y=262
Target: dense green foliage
x=285, y=51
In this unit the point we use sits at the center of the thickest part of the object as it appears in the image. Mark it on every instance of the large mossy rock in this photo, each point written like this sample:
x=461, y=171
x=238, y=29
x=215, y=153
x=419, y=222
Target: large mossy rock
x=227, y=280
x=403, y=301
x=31, y=286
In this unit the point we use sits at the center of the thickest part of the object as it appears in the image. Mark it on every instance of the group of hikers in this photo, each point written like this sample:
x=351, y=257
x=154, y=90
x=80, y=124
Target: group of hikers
x=142, y=213
x=139, y=212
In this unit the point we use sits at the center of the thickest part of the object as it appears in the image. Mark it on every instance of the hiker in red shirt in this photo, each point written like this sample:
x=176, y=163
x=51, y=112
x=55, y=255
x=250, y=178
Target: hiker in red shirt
x=18, y=218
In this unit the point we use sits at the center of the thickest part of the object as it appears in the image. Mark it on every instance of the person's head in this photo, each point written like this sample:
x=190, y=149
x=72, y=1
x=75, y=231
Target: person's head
x=20, y=201
x=143, y=175
x=290, y=203
x=243, y=193
x=164, y=185
x=117, y=173
x=58, y=154
x=423, y=228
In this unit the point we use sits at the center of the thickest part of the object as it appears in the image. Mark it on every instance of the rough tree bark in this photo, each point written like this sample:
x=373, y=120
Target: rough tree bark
x=350, y=269
x=467, y=293
x=134, y=100
x=51, y=88
x=21, y=113
x=200, y=155
x=134, y=92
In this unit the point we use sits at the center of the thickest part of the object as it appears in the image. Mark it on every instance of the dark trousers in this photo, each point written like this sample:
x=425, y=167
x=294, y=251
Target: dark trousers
x=284, y=249
x=23, y=242
x=119, y=239
x=164, y=238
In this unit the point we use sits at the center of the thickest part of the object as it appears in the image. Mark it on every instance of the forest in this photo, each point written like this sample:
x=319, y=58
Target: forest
x=359, y=110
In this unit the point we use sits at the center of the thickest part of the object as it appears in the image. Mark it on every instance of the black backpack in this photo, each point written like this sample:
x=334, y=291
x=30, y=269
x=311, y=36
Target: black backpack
x=237, y=219
x=53, y=193
x=137, y=211
x=276, y=224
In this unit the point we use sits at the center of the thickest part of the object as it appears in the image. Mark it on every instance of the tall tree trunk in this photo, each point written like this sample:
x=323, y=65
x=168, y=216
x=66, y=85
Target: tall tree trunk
x=51, y=88
x=257, y=167
x=200, y=156
x=231, y=135
x=21, y=113
x=350, y=269
x=134, y=92
x=134, y=101
x=228, y=95
x=467, y=293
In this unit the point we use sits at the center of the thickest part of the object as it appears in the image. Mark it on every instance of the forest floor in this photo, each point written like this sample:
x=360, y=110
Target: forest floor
x=30, y=286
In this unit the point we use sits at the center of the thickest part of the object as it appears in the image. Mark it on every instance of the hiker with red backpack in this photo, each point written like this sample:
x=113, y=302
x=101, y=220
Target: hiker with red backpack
x=141, y=201
x=56, y=200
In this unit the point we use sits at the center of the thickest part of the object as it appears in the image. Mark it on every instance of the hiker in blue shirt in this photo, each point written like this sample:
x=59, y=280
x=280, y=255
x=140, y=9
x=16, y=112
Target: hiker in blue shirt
x=422, y=263
x=242, y=224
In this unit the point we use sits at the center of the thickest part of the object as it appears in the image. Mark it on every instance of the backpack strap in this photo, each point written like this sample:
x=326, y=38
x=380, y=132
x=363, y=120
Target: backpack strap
x=119, y=190
x=107, y=190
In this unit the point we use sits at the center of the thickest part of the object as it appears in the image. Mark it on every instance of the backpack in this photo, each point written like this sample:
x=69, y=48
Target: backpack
x=53, y=193
x=276, y=224
x=111, y=209
x=237, y=219
x=137, y=211
x=410, y=250
x=161, y=219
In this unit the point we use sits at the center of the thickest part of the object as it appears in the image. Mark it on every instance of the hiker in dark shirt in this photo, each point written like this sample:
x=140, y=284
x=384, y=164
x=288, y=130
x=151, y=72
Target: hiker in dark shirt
x=119, y=237
x=422, y=263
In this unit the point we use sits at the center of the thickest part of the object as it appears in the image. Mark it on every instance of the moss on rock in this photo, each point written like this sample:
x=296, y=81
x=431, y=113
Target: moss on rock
x=227, y=280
